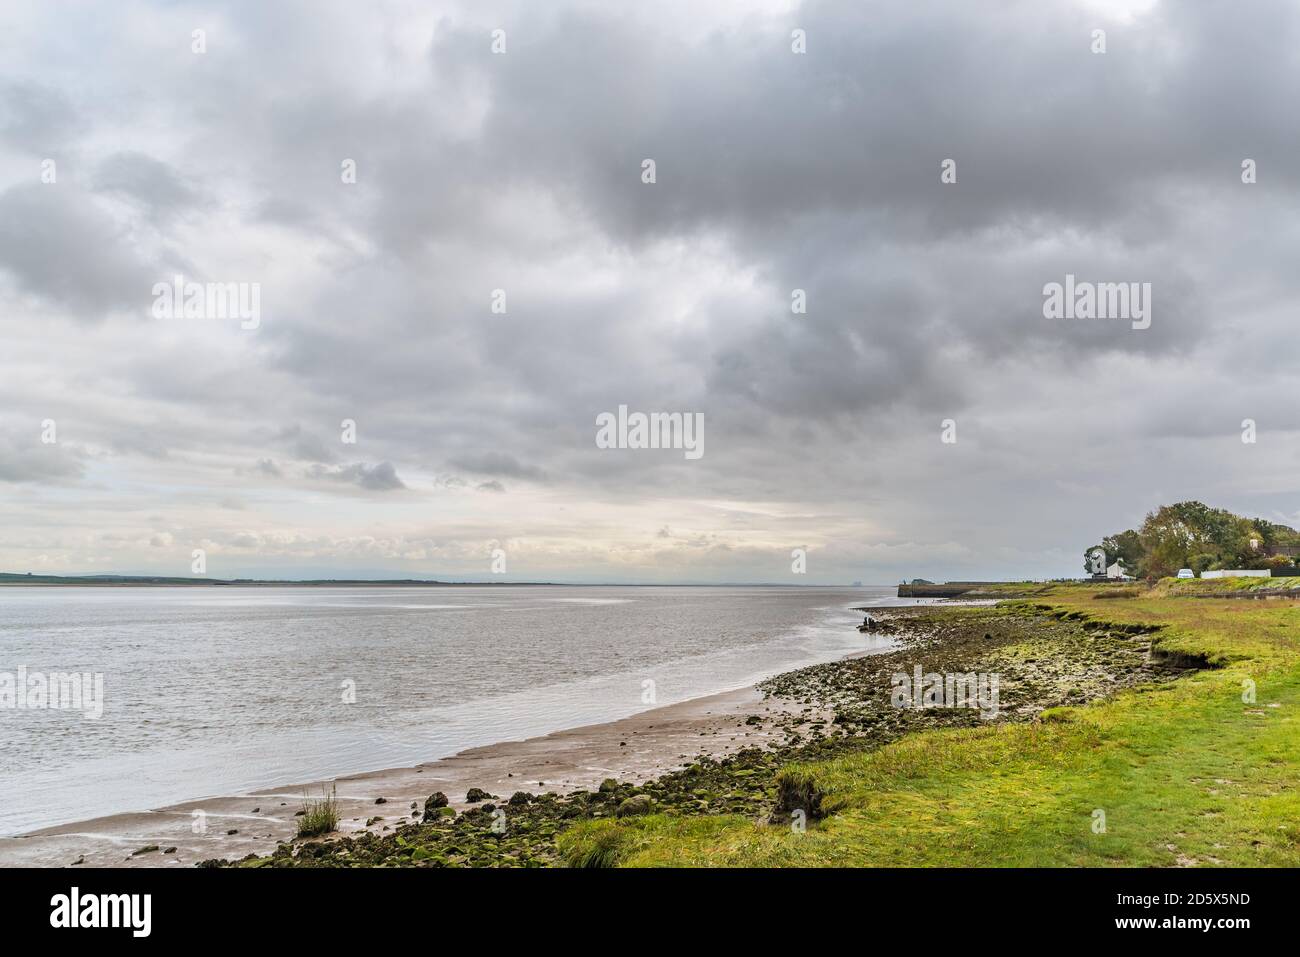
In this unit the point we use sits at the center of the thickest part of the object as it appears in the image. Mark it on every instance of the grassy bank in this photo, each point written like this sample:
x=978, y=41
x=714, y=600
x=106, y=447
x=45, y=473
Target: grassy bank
x=1180, y=772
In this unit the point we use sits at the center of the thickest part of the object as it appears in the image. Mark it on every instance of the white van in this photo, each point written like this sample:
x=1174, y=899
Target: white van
x=1185, y=573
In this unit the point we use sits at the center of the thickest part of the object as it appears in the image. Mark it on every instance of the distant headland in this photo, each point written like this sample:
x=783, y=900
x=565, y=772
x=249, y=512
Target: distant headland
x=11, y=578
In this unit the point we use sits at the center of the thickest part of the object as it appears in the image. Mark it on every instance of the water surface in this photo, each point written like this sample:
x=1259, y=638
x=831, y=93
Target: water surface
x=219, y=690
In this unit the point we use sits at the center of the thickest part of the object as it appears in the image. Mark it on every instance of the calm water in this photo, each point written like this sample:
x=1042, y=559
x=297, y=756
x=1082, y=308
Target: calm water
x=213, y=691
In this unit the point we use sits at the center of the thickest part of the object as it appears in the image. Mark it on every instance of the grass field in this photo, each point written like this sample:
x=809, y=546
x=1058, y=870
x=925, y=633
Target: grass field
x=1184, y=772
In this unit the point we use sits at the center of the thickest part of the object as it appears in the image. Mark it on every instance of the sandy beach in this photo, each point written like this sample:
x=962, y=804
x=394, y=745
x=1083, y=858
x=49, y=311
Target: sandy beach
x=634, y=749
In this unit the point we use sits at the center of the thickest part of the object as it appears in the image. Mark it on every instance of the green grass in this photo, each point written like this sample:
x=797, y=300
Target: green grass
x=595, y=844
x=1184, y=772
x=319, y=817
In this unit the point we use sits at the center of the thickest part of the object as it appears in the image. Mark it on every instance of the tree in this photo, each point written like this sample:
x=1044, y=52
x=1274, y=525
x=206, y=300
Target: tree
x=1193, y=535
x=1124, y=547
x=1173, y=534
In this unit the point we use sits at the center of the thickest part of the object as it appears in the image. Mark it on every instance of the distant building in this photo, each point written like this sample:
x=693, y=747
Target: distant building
x=1116, y=571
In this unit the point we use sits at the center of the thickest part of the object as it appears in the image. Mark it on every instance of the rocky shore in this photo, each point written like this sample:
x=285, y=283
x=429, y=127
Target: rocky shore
x=1042, y=660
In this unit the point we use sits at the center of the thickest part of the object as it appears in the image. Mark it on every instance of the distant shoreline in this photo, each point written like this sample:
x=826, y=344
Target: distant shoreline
x=147, y=581
x=57, y=582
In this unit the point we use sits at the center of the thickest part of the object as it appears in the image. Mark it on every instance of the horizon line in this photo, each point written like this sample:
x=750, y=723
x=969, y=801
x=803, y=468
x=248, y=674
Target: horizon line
x=110, y=577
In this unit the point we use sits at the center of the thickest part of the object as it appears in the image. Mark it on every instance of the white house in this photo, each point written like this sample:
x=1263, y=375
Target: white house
x=1117, y=571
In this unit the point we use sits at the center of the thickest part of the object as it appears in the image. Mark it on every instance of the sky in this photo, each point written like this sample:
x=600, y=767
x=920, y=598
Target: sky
x=445, y=214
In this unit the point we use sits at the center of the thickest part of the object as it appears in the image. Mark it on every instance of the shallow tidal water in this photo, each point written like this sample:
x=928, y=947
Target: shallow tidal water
x=216, y=690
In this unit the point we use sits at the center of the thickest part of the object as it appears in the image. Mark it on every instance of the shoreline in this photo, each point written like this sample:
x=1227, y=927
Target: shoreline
x=637, y=748
x=126, y=802
x=841, y=710
x=718, y=757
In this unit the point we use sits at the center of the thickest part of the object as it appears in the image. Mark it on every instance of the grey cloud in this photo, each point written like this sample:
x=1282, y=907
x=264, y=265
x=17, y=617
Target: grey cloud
x=776, y=172
x=140, y=442
x=820, y=170
x=306, y=446
x=58, y=244
x=380, y=477
x=147, y=180
x=30, y=461
x=37, y=117
x=499, y=463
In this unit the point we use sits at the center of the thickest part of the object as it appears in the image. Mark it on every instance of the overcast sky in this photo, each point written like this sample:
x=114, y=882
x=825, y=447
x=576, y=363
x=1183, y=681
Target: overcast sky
x=522, y=171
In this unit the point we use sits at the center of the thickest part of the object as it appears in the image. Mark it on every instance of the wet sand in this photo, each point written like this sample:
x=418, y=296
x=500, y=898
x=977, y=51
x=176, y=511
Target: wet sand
x=634, y=749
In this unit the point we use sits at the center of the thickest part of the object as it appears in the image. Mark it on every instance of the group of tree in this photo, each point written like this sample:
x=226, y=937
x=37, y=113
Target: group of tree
x=1193, y=535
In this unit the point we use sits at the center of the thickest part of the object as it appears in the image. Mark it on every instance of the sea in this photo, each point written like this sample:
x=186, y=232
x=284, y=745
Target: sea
x=219, y=690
